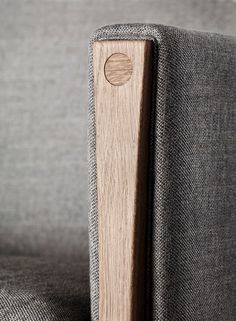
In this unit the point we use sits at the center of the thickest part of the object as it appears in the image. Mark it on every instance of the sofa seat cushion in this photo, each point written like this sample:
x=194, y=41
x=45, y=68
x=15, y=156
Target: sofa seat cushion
x=35, y=289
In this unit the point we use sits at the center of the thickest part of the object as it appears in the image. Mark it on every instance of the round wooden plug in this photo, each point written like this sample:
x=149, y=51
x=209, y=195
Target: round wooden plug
x=118, y=69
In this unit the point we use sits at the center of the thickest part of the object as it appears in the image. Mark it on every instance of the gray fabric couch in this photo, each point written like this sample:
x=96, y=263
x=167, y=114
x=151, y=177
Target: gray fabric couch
x=192, y=238
x=44, y=273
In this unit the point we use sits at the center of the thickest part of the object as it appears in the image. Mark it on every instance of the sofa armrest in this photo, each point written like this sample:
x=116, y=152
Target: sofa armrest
x=191, y=239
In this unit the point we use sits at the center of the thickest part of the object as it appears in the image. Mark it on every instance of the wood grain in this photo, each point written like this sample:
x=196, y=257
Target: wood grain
x=122, y=126
x=118, y=69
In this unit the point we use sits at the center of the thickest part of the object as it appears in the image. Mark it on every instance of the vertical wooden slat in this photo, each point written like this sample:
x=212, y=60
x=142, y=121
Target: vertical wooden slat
x=122, y=90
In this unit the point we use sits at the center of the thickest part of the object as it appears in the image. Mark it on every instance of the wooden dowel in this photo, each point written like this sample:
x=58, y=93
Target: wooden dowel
x=122, y=88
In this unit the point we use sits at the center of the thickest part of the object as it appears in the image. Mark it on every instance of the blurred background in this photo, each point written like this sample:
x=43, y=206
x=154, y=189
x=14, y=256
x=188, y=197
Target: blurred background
x=43, y=110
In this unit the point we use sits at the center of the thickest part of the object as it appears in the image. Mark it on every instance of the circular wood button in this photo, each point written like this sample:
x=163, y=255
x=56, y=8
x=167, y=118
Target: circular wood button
x=118, y=69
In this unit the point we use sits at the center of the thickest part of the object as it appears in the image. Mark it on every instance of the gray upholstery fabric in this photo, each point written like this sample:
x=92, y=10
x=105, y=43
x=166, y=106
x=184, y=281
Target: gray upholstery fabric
x=193, y=212
x=44, y=290
x=43, y=111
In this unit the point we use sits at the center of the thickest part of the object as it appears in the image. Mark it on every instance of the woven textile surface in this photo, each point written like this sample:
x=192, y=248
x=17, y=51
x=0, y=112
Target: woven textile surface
x=192, y=268
x=39, y=289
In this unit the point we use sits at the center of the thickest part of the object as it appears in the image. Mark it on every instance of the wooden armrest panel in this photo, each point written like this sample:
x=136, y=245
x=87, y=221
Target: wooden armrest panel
x=122, y=89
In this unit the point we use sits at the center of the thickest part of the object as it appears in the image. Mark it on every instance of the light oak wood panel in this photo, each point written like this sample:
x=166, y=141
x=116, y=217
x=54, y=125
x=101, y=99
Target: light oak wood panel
x=122, y=84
